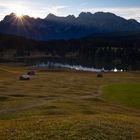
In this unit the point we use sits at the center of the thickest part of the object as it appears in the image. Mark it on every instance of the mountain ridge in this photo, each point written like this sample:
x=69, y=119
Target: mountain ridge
x=69, y=27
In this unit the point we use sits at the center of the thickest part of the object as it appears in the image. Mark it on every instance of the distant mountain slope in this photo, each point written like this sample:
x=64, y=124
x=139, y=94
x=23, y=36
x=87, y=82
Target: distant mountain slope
x=70, y=27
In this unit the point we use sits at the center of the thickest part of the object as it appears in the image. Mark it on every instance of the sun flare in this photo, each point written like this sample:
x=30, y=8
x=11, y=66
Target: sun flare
x=19, y=15
x=18, y=10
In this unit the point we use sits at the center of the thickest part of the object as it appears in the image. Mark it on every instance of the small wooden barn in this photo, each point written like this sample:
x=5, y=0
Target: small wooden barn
x=99, y=75
x=31, y=72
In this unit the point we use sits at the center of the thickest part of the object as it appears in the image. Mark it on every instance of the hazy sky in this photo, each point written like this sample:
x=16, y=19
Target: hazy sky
x=41, y=8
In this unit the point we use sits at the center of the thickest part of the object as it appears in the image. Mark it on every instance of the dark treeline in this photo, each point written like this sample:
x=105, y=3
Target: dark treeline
x=106, y=51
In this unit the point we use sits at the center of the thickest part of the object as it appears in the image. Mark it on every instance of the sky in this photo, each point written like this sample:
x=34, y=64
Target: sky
x=41, y=8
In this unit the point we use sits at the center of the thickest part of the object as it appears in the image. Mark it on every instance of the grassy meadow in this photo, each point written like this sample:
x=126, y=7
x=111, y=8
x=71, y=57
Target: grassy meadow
x=69, y=105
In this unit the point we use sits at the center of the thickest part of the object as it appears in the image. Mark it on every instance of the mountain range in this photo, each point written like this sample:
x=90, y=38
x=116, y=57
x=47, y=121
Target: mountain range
x=54, y=28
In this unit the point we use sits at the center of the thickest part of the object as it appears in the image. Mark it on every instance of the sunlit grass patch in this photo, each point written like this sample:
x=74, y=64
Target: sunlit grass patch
x=97, y=127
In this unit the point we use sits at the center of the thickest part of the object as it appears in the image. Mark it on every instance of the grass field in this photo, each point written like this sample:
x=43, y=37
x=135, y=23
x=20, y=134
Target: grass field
x=125, y=94
x=69, y=105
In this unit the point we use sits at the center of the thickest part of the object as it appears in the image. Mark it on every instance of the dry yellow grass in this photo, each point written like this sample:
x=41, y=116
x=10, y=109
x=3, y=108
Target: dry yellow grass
x=64, y=106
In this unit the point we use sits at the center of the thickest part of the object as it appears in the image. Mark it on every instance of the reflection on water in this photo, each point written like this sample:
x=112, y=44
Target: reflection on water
x=73, y=67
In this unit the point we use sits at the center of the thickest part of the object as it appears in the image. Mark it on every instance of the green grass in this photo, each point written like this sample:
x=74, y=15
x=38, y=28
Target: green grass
x=66, y=106
x=125, y=94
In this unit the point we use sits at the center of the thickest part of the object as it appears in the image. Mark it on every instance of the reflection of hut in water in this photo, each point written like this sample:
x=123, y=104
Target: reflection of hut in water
x=31, y=72
x=24, y=77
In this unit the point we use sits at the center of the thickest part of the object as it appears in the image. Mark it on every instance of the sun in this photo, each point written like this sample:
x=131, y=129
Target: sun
x=19, y=15
x=18, y=10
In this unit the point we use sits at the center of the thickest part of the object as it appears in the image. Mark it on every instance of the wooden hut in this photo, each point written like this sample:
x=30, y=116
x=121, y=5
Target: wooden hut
x=31, y=72
x=100, y=75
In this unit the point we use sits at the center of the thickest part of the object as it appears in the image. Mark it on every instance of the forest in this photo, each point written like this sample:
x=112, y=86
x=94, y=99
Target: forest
x=107, y=50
